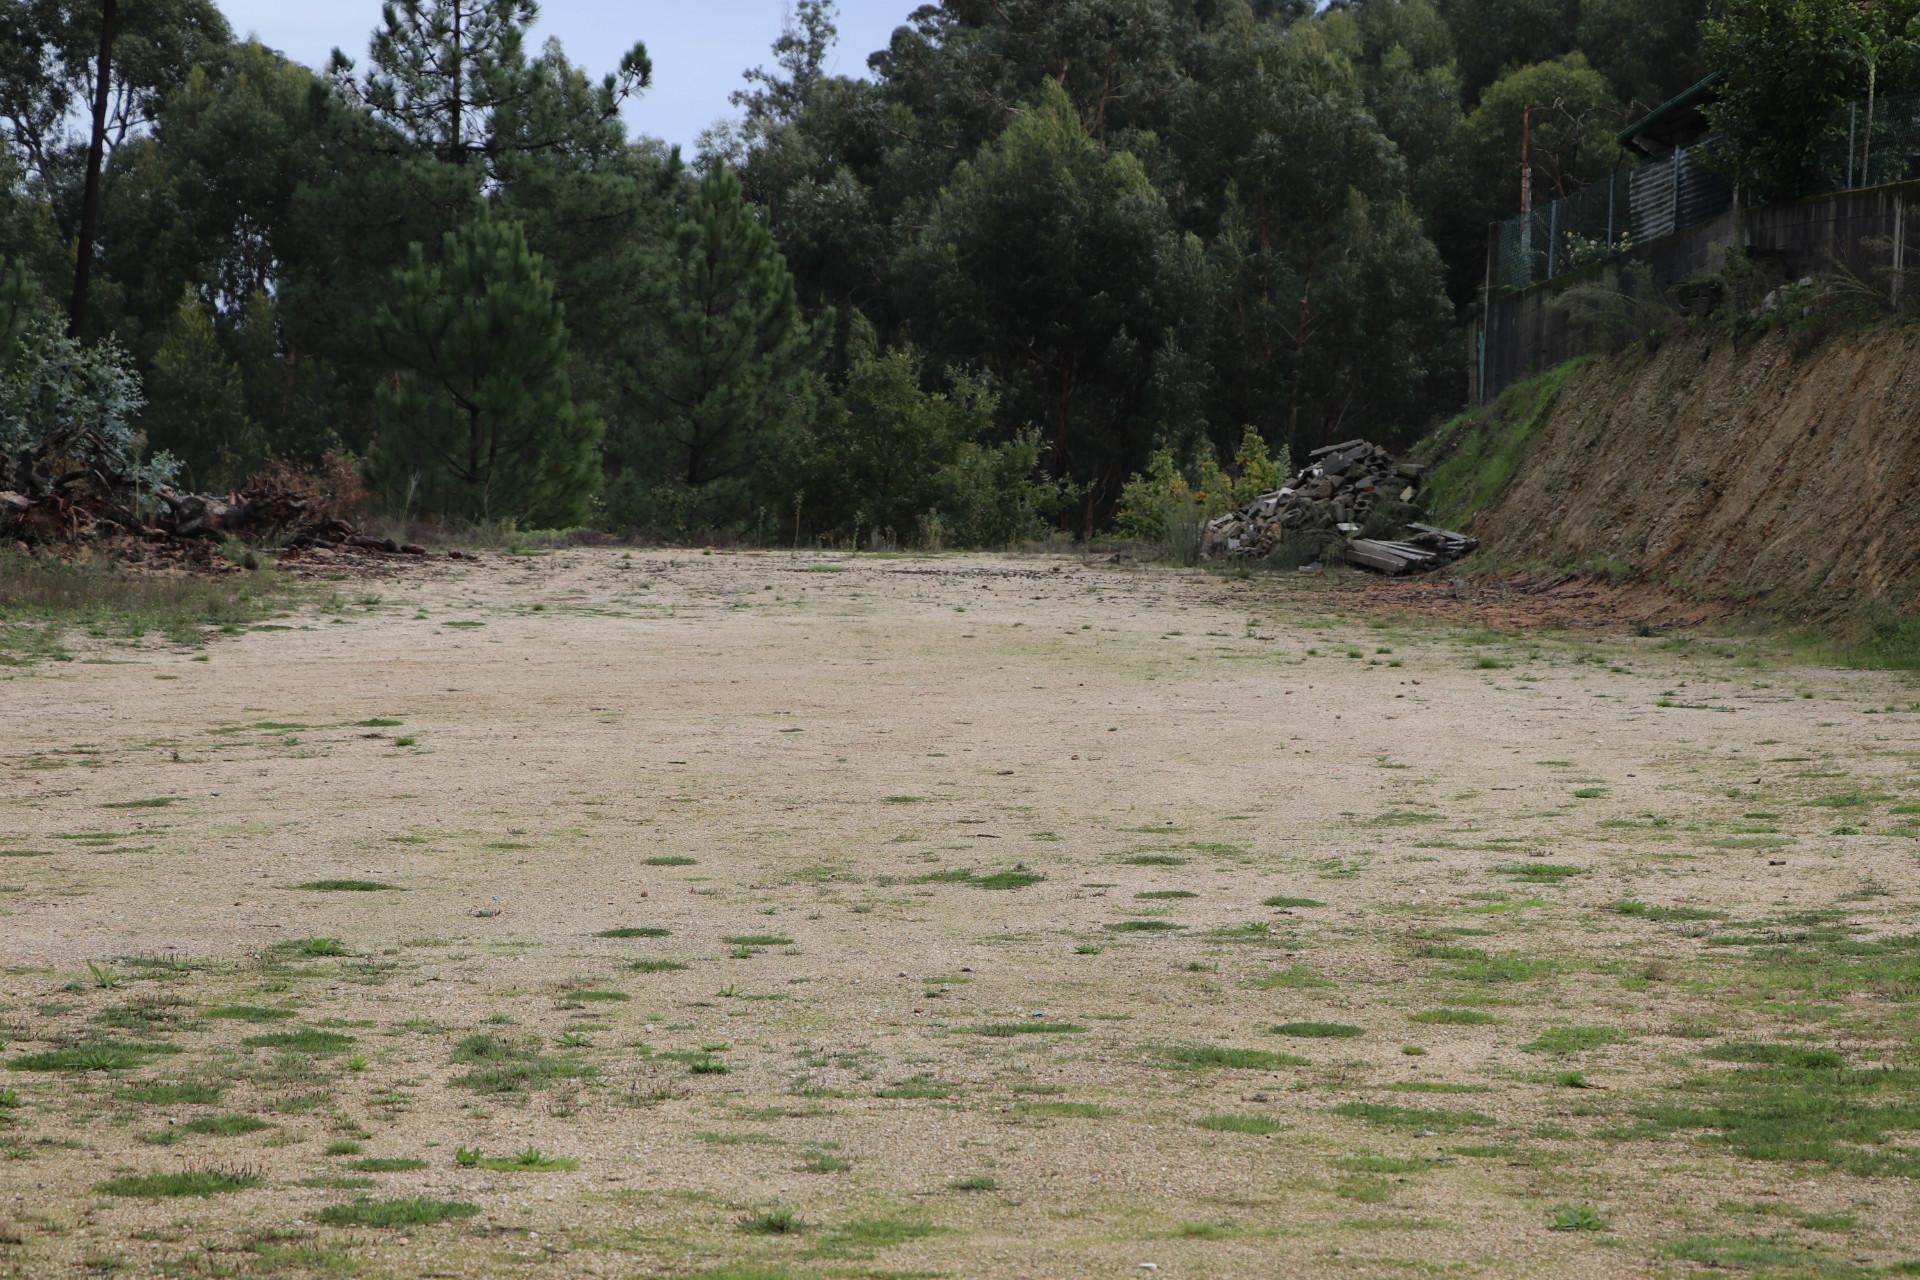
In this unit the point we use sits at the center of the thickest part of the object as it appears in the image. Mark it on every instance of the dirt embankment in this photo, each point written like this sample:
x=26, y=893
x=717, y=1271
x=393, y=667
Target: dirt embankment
x=1788, y=480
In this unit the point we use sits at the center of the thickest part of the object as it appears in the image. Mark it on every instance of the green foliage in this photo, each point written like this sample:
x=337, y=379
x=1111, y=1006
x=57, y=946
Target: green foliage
x=1472, y=458
x=197, y=409
x=54, y=383
x=1164, y=504
x=1042, y=256
x=888, y=458
x=198, y=1183
x=421, y=1212
x=1790, y=64
x=720, y=357
x=480, y=422
x=19, y=300
x=1575, y=118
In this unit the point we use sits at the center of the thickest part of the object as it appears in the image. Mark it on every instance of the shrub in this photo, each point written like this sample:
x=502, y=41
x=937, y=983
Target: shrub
x=1167, y=506
x=53, y=384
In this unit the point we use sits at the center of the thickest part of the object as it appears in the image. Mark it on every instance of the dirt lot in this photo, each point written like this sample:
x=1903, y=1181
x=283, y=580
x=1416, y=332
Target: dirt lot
x=765, y=916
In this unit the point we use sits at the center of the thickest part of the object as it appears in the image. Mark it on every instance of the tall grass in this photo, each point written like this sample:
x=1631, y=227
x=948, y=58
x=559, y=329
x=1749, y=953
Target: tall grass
x=42, y=597
x=1473, y=458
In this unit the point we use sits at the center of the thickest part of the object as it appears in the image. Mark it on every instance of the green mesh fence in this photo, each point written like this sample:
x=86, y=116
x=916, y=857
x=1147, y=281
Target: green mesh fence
x=1630, y=206
x=1864, y=146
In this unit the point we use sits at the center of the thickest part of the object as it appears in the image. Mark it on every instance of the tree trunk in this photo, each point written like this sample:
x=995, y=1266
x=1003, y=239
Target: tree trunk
x=96, y=149
x=456, y=150
x=1866, y=160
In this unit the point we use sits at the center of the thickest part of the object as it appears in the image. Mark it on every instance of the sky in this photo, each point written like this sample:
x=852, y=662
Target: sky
x=699, y=47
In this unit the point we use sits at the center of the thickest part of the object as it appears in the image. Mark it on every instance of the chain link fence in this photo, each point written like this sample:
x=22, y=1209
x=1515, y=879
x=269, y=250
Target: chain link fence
x=1869, y=146
x=1860, y=146
x=1630, y=206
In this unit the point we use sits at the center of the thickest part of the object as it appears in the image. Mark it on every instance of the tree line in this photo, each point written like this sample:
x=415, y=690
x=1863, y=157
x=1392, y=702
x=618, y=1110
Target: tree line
x=970, y=291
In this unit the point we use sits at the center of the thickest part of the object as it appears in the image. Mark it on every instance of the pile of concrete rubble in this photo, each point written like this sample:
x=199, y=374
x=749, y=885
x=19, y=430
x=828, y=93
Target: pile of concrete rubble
x=1342, y=488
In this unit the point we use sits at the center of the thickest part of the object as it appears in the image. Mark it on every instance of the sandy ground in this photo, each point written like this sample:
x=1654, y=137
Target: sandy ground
x=826, y=739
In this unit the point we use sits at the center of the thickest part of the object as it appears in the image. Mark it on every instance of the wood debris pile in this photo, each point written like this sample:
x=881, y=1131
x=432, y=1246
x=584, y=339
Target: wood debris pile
x=68, y=491
x=1342, y=490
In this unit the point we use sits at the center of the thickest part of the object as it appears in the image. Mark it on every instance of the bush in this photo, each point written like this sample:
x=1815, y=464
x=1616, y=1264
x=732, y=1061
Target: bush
x=1169, y=508
x=888, y=457
x=991, y=496
x=53, y=384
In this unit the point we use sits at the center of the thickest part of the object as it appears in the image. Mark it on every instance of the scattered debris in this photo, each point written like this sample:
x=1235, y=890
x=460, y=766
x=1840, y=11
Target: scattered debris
x=1343, y=489
x=68, y=490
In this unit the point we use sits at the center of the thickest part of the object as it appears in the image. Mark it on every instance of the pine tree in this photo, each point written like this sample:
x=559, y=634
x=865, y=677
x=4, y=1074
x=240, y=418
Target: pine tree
x=720, y=352
x=453, y=77
x=196, y=407
x=480, y=421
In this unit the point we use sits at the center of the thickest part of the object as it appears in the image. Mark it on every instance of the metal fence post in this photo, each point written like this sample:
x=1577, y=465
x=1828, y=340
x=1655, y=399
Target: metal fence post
x=1553, y=236
x=1679, y=154
x=1853, y=126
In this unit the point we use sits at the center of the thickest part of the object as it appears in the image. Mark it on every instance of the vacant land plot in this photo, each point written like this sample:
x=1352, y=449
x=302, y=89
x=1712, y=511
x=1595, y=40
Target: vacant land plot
x=607, y=914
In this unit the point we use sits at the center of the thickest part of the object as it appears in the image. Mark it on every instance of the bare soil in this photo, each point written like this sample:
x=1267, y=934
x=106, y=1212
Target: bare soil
x=1761, y=471
x=934, y=1072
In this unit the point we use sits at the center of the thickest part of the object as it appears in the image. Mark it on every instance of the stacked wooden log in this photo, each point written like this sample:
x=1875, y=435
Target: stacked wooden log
x=1338, y=494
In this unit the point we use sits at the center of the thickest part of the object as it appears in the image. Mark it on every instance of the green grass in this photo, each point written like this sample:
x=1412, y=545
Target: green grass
x=530, y=1160
x=1153, y=860
x=1640, y=910
x=1038, y=1027
x=1472, y=459
x=1384, y=1164
x=1291, y=902
x=222, y=1126
x=1258, y=1126
x=597, y=997
x=1890, y=642
x=757, y=940
x=1015, y=878
x=1576, y=1217
x=1803, y=1110
x=158, y=802
x=45, y=595
x=100, y=1056
x=669, y=860
x=975, y=1182
x=1063, y=1110
x=350, y=886
x=1318, y=1030
x=1453, y=1017
x=307, y=1040
x=1394, y=1117
x=387, y=1164
x=634, y=931
x=422, y=1212
x=1144, y=926
x=249, y=1013
x=1799, y=1057
x=1573, y=1039
x=165, y=1093
x=656, y=966
x=774, y=1222
x=190, y=1182
x=1203, y=1056
x=1296, y=978
x=1541, y=872
x=499, y=1065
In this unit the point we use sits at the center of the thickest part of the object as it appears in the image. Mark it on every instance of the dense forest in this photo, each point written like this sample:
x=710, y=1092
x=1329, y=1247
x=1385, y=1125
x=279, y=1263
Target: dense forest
x=973, y=290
